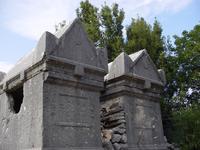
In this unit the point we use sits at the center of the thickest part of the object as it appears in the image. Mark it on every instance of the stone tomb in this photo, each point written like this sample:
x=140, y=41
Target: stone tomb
x=131, y=103
x=50, y=99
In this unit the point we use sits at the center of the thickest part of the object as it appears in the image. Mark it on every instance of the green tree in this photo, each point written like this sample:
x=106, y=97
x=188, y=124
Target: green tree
x=140, y=35
x=88, y=14
x=105, y=27
x=157, y=43
x=182, y=91
x=186, y=127
x=167, y=61
x=111, y=19
x=187, y=53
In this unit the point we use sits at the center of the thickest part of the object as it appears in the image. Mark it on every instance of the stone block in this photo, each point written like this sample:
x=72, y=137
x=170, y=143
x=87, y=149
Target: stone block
x=51, y=96
x=116, y=138
x=136, y=83
x=123, y=139
x=116, y=146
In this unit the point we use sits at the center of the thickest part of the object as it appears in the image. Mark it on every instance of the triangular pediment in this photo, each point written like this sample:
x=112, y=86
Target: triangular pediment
x=143, y=66
x=74, y=44
x=70, y=42
x=138, y=65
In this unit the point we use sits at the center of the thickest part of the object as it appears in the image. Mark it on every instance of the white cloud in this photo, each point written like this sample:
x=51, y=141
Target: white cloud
x=30, y=18
x=5, y=67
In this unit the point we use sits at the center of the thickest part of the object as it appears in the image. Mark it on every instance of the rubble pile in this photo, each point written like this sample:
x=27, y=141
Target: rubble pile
x=113, y=125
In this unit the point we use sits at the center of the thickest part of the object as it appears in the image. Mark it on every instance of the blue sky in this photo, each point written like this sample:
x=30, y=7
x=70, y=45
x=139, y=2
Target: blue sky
x=22, y=23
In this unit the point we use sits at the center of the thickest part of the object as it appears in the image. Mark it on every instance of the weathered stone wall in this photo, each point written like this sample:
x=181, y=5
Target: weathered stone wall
x=114, y=124
x=23, y=129
x=73, y=81
x=131, y=99
x=71, y=117
x=71, y=108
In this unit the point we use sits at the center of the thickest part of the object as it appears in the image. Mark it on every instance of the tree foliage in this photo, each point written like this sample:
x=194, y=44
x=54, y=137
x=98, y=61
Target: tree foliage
x=188, y=59
x=186, y=127
x=104, y=27
x=88, y=14
x=111, y=19
x=140, y=35
x=182, y=92
x=183, y=67
x=157, y=43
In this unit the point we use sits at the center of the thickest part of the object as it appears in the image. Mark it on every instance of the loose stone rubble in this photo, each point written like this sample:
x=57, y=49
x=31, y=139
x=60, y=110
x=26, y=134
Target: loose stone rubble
x=64, y=95
x=113, y=121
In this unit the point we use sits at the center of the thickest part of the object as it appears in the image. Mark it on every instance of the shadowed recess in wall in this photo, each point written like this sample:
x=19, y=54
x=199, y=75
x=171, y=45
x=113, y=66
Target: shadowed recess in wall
x=16, y=98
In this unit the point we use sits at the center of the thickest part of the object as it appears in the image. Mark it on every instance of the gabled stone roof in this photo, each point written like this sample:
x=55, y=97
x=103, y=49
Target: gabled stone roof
x=70, y=42
x=138, y=65
x=135, y=56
